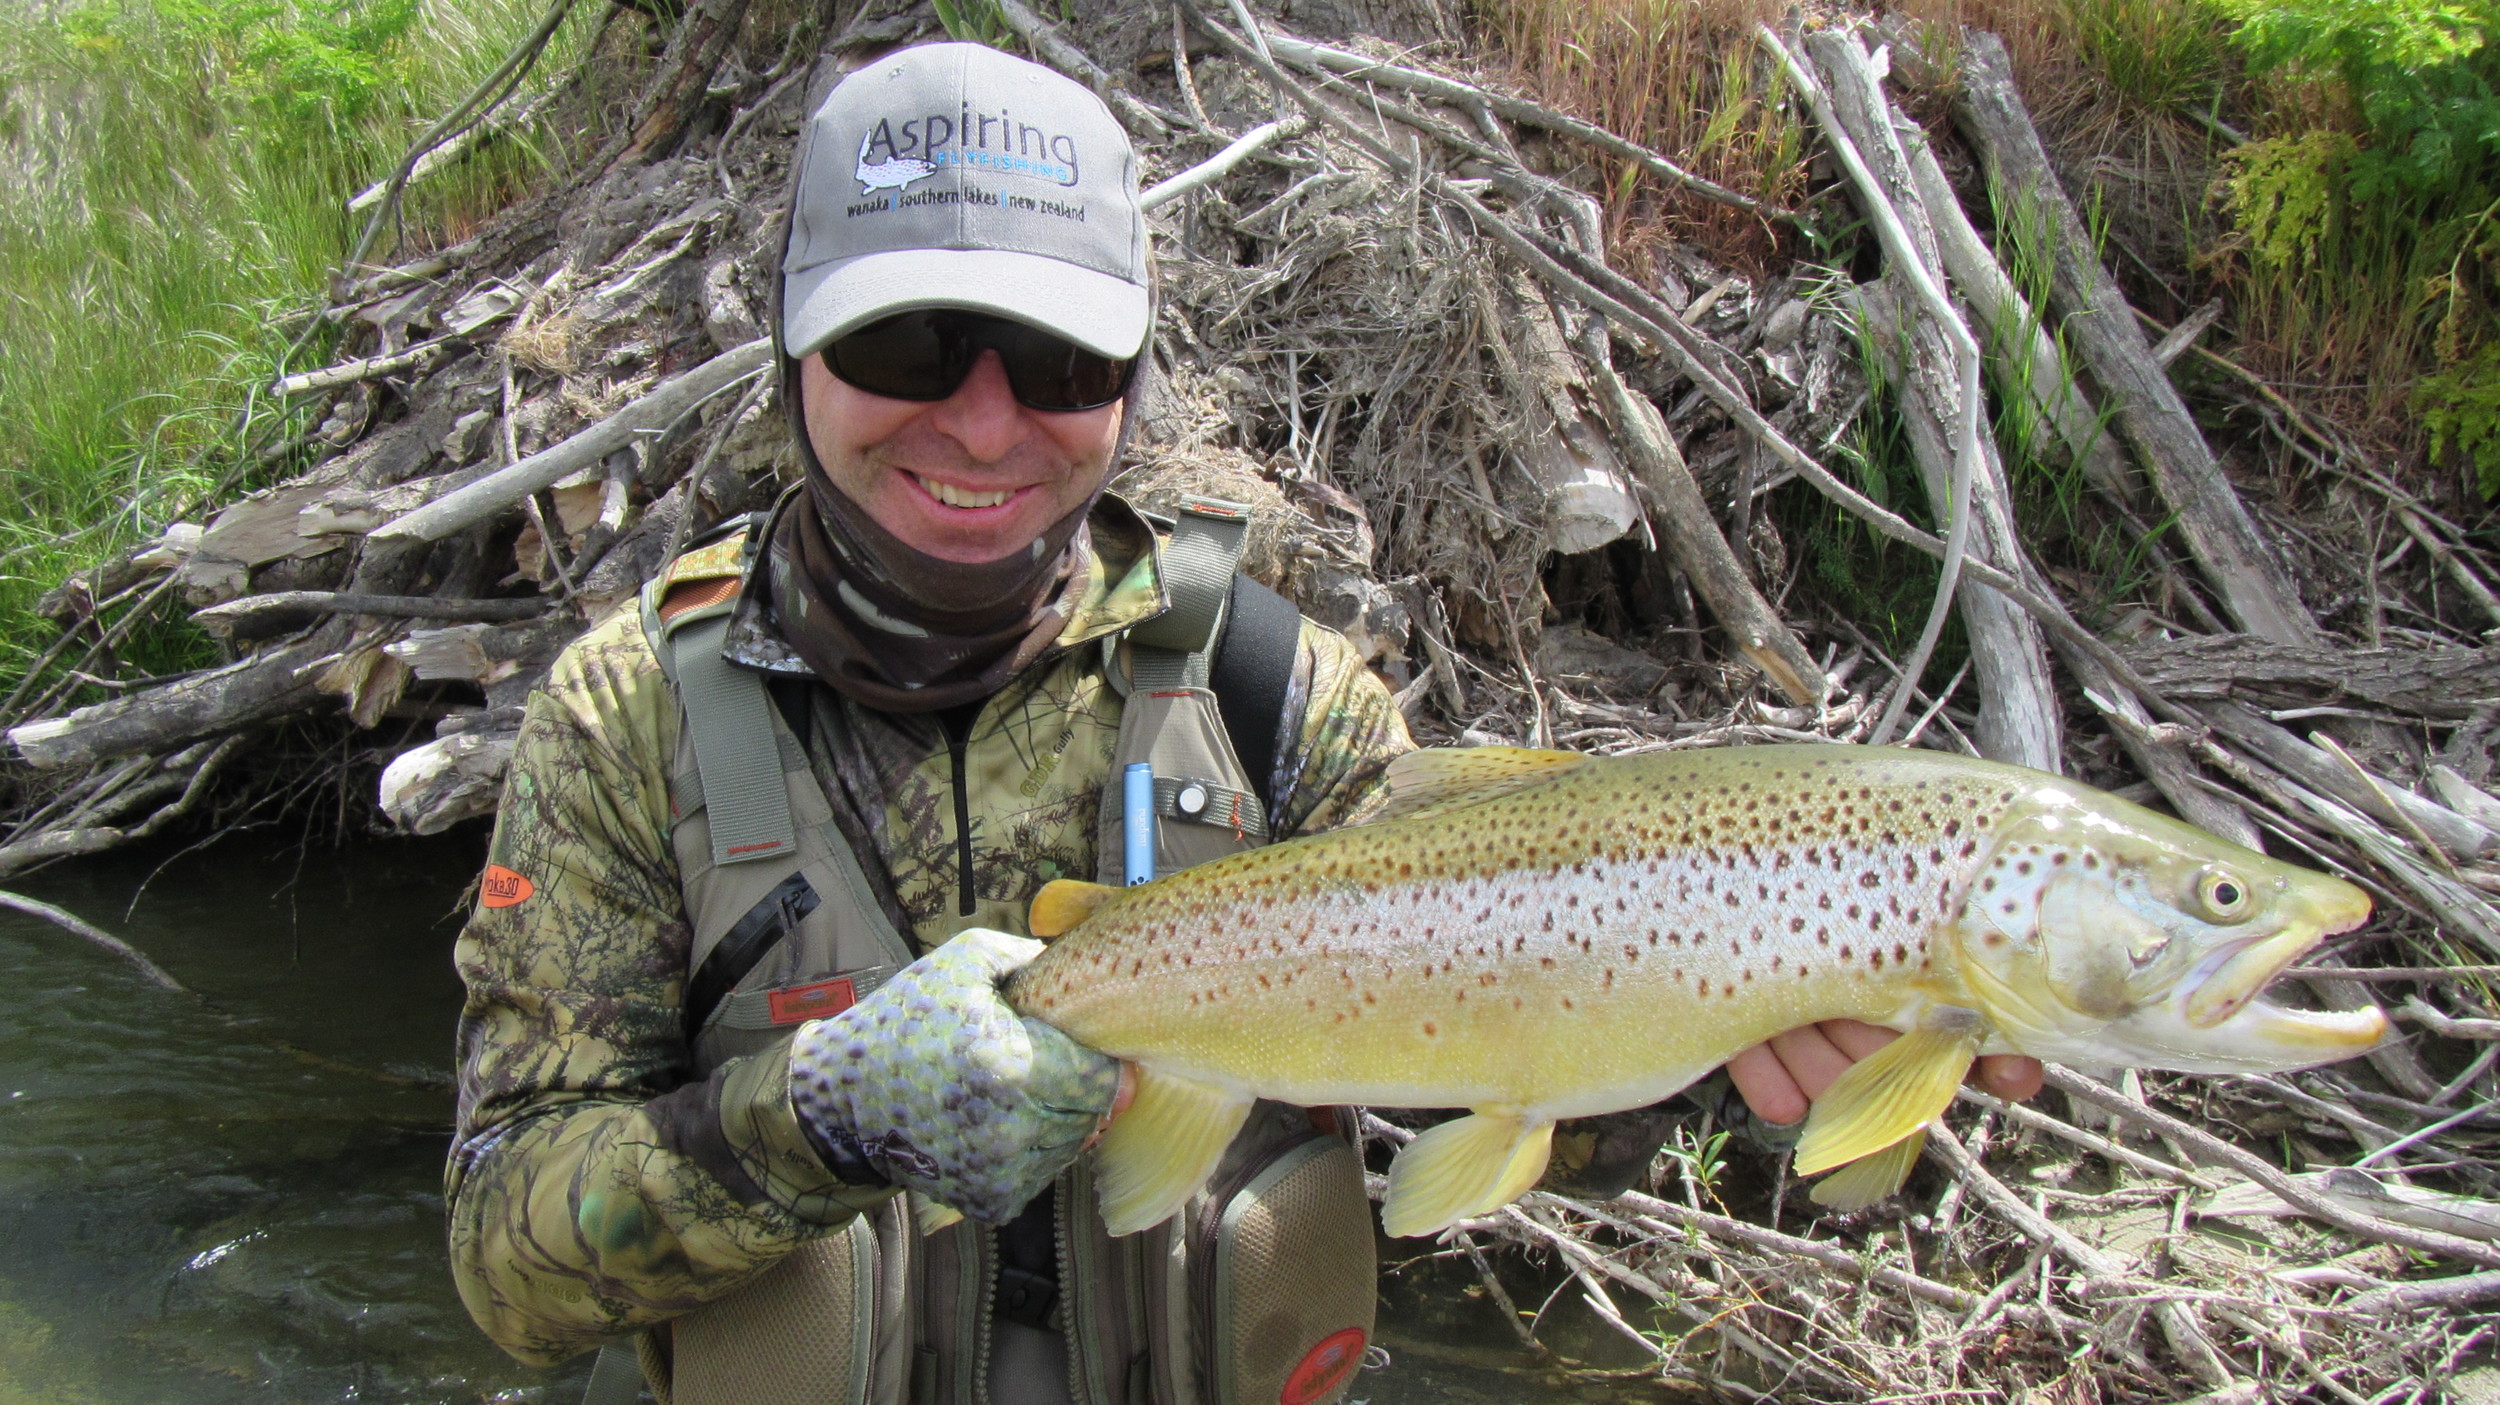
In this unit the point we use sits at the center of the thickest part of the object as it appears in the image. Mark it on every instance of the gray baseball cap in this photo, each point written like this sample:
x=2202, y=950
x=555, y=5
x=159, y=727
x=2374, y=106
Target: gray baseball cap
x=954, y=175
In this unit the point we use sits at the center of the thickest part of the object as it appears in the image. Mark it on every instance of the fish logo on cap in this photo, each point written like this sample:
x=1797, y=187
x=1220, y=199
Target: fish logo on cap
x=895, y=174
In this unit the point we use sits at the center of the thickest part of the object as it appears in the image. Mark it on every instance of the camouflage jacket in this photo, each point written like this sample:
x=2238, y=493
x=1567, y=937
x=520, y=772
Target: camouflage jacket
x=597, y=1183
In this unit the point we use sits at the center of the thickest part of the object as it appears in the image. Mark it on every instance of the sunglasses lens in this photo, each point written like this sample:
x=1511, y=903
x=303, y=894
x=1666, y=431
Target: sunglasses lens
x=909, y=356
x=926, y=355
x=1048, y=373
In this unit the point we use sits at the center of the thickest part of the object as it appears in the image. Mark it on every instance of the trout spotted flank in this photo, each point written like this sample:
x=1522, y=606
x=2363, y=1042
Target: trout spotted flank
x=1536, y=935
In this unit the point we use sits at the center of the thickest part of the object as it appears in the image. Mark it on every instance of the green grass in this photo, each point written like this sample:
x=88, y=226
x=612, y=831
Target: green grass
x=175, y=175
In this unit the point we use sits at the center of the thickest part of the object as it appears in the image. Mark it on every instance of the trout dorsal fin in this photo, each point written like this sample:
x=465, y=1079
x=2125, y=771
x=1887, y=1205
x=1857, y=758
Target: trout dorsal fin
x=1445, y=777
x=1064, y=902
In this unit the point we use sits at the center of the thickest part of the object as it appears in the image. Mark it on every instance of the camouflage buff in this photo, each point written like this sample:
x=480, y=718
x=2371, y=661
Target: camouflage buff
x=595, y=1183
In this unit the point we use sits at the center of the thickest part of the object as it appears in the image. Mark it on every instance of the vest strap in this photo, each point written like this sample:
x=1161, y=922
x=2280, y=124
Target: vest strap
x=729, y=720
x=1210, y=802
x=1170, y=650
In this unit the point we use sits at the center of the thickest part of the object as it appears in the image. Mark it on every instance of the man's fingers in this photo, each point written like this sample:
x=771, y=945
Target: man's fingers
x=2010, y=1075
x=1766, y=1085
x=1855, y=1038
x=1812, y=1057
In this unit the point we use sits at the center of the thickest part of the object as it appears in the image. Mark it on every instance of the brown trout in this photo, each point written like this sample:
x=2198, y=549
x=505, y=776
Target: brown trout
x=1536, y=935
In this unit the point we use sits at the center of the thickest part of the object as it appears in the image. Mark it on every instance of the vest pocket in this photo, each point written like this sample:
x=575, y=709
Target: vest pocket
x=1284, y=1276
x=795, y=1334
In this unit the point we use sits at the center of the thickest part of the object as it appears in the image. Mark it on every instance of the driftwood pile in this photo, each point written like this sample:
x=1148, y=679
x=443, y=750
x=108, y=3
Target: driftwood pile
x=1390, y=321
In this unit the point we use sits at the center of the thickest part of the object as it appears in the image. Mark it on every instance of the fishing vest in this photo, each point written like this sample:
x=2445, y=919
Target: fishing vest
x=1260, y=1293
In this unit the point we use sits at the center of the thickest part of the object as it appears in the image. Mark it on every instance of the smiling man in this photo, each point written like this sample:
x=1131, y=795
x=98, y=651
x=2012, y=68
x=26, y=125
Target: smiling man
x=767, y=843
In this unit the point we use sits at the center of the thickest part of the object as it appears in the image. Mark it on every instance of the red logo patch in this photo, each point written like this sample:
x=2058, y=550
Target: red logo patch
x=1325, y=1368
x=501, y=887
x=801, y=1003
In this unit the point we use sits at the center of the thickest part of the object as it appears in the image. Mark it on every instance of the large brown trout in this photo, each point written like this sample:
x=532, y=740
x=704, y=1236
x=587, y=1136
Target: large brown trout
x=1538, y=935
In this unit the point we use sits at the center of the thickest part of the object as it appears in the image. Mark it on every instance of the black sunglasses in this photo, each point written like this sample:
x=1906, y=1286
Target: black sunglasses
x=926, y=355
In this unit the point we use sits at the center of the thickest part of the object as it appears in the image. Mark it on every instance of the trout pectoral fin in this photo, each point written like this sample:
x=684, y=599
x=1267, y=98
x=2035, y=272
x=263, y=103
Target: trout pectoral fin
x=1156, y=1154
x=1064, y=902
x=1477, y=1163
x=930, y=1216
x=1870, y=1178
x=1886, y=1096
x=1444, y=776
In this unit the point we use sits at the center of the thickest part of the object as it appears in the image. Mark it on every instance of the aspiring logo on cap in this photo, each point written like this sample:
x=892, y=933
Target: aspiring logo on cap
x=893, y=155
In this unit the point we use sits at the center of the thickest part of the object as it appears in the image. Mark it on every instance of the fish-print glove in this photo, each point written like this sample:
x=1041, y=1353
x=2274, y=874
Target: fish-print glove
x=940, y=1087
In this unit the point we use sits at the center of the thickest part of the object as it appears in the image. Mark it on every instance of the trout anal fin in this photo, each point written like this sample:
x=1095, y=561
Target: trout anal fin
x=1158, y=1151
x=1477, y=1163
x=1889, y=1094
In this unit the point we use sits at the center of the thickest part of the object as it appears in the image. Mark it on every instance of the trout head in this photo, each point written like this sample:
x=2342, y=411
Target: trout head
x=2097, y=932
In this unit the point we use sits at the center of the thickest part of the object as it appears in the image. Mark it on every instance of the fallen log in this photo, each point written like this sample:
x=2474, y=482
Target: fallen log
x=2015, y=334
x=254, y=690
x=2256, y=590
x=2433, y=682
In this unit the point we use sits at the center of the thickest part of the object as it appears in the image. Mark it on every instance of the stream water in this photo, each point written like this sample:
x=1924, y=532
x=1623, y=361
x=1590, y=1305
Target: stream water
x=237, y=1198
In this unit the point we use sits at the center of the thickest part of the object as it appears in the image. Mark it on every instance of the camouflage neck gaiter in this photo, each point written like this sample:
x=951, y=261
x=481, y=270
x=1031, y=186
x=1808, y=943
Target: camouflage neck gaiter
x=902, y=631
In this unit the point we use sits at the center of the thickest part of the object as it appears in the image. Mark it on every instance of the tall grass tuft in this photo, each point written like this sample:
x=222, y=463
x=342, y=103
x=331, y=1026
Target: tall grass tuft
x=175, y=175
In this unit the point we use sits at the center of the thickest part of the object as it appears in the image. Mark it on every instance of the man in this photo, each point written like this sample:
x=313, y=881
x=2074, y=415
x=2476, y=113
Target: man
x=932, y=633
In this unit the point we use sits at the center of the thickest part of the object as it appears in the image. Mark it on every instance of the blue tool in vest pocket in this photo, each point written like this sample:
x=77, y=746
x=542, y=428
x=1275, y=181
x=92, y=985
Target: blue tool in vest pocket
x=1137, y=822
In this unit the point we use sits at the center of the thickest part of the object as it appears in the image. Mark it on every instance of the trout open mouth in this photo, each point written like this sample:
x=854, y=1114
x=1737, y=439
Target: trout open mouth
x=2230, y=979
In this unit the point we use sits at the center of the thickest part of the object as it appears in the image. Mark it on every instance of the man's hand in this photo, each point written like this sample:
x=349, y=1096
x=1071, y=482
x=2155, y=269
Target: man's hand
x=941, y=1087
x=1781, y=1079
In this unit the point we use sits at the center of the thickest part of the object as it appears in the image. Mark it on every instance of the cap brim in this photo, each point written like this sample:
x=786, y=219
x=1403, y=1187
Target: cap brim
x=1097, y=311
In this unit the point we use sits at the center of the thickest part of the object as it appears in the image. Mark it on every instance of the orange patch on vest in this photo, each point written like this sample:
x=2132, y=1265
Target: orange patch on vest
x=501, y=887
x=800, y=1003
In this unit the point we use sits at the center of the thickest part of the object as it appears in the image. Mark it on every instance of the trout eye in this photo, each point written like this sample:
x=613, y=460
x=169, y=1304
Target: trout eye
x=2223, y=896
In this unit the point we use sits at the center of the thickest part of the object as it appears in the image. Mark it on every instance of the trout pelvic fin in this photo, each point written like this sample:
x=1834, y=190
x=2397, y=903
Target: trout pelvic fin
x=1157, y=1153
x=1870, y=1178
x=930, y=1216
x=1443, y=777
x=1890, y=1094
x=1466, y=1167
x=1064, y=902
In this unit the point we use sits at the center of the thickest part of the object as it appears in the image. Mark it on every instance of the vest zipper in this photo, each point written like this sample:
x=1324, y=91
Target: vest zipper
x=1063, y=1196
x=958, y=742
x=985, y=1265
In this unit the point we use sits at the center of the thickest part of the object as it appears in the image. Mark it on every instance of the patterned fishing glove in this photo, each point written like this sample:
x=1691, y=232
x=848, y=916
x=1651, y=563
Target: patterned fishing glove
x=942, y=1088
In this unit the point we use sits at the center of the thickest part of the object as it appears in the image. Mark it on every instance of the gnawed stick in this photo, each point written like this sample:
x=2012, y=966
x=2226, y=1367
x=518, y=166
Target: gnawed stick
x=258, y=616
x=76, y=926
x=653, y=412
